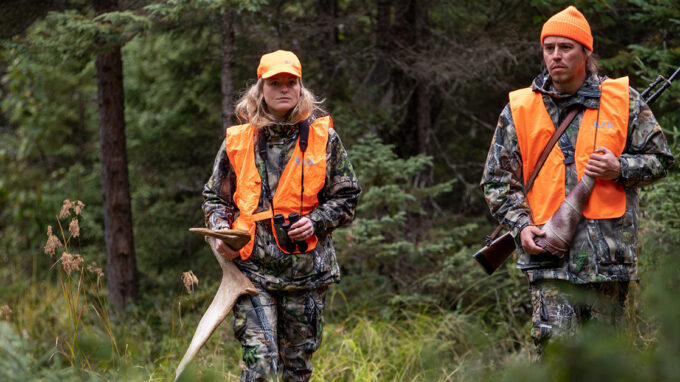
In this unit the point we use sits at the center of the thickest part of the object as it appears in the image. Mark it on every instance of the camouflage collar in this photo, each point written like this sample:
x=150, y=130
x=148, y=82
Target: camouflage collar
x=588, y=95
x=281, y=130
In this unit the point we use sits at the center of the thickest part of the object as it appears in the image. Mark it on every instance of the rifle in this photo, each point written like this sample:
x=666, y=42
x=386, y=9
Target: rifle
x=666, y=84
x=498, y=249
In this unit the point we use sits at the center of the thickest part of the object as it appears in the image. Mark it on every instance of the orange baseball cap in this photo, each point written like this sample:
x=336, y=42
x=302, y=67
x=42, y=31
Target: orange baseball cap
x=569, y=23
x=281, y=61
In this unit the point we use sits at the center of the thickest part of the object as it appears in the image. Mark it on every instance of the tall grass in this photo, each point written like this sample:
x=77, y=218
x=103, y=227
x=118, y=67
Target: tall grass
x=428, y=345
x=412, y=345
x=59, y=329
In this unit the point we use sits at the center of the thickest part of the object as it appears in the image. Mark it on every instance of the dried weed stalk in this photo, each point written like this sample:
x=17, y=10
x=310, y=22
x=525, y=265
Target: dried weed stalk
x=78, y=282
x=189, y=279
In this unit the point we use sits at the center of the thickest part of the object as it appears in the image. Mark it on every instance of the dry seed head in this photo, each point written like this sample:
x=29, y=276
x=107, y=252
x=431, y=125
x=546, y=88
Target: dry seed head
x=71, y=262
x=74, y=228
x=93, y=268
x=5, y=312
x=52, y=242
x=78, y=207
x=65, y=209
x=77, y=260
x=66, y=260
x=189, y=279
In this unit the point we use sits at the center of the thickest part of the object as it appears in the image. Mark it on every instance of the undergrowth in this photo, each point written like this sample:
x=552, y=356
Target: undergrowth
x=58, y=328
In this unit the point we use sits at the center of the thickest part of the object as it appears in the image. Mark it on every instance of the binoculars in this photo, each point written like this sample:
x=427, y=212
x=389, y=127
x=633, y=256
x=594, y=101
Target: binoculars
x=282, y=226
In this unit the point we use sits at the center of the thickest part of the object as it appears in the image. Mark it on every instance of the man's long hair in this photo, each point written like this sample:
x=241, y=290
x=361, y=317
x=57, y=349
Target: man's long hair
x=251, y=108
x=591, y=61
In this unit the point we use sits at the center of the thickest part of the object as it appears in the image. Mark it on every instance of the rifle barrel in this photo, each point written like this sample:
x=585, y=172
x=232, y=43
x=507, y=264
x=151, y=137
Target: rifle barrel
x=651, y=86
x=666, y=84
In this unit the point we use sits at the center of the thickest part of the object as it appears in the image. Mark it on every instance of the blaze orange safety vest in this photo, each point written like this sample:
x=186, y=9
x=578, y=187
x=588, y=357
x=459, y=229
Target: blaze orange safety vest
x=240, y=143
x=534, y=129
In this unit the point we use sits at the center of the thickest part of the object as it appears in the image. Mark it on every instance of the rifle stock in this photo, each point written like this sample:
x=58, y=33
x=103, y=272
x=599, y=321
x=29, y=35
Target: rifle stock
x=494, y=254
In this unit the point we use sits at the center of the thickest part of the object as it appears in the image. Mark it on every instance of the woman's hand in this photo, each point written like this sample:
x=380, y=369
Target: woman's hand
x=301, y=229
x=225, y=250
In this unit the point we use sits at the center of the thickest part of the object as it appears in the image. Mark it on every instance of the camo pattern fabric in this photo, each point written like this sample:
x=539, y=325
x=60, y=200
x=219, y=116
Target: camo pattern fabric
x=268, y=265
x=602, y=250
x=561, y=308
x=279, y=332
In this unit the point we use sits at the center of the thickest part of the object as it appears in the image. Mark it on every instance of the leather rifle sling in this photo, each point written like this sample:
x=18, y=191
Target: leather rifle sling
x=541, y=160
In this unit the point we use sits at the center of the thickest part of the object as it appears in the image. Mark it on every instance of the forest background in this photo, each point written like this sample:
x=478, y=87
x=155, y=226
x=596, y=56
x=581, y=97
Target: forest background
x=414, y=88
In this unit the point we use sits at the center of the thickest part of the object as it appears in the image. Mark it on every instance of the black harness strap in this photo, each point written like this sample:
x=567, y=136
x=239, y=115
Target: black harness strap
x=303, y=142
x=304, y=132
x=262, y=149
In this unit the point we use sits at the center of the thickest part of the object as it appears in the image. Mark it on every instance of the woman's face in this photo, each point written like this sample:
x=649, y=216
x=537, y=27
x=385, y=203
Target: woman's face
x=281, y=94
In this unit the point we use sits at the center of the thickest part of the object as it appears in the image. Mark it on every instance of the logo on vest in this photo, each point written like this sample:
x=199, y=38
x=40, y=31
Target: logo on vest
x=308, y=161
x=604, y=124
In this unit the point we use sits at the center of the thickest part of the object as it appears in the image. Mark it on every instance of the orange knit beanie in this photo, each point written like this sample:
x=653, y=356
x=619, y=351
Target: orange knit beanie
x=569, y=23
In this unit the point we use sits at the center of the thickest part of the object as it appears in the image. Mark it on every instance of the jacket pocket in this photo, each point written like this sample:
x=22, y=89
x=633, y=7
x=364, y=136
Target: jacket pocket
x=616, y=240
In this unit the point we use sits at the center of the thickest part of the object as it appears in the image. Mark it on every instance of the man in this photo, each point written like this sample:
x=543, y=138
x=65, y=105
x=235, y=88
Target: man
x=614, y=138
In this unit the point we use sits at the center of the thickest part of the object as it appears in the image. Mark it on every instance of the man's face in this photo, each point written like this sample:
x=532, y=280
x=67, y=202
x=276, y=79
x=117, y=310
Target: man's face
x=565, y=60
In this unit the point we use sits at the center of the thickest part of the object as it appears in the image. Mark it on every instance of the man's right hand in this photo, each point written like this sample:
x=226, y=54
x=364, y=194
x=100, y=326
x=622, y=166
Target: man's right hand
x=225, y=250
x=527, y=236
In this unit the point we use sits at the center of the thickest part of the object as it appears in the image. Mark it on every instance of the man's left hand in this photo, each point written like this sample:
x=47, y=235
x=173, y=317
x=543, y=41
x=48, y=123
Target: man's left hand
x=603, y=164
x=301, y=229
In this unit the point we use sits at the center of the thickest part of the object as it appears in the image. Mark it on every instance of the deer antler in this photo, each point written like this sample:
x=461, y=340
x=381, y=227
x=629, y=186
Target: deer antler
x=233, y=285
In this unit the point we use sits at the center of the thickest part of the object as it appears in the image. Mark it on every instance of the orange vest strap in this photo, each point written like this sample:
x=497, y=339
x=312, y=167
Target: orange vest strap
x=264, y=215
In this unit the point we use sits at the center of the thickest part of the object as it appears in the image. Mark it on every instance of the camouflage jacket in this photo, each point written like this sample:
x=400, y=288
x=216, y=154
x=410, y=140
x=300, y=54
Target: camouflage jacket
x=268, y=265
x=602, y=250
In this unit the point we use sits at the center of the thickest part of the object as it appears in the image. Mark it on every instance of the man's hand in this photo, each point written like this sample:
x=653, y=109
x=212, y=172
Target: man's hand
x=301, y=229
x=225, y=250
x=527, y=236
x=603, y=164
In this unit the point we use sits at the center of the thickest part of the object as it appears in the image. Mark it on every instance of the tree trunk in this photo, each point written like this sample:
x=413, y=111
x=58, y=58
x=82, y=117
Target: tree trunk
x=226, y=76
x=121, y=268
x=378, y=77
x=327, y=13
x=424, y=123
x=383, y=25
x=410, y=33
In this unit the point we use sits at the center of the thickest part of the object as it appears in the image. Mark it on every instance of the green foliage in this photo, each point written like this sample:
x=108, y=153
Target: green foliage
x=635, y=352
x=173, y=9
x=173, y=129
x=385, y=239
x=48, y=152
x=17, y=364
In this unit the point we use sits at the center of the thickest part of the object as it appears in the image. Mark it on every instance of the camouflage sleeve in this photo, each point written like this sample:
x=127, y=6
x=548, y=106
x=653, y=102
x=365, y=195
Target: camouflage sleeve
x=502, y=181
x=647, y=156
x=218, y=202
x=340, y=194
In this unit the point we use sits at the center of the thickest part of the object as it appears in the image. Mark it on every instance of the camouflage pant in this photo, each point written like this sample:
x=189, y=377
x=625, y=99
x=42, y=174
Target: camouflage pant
x=279, y=332
x=560, y=308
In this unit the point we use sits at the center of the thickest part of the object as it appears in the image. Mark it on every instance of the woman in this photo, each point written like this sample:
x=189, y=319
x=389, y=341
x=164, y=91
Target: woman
x=285, y=160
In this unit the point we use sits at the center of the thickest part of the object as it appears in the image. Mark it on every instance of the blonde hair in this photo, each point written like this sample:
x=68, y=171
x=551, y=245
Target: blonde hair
x=251, y=108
